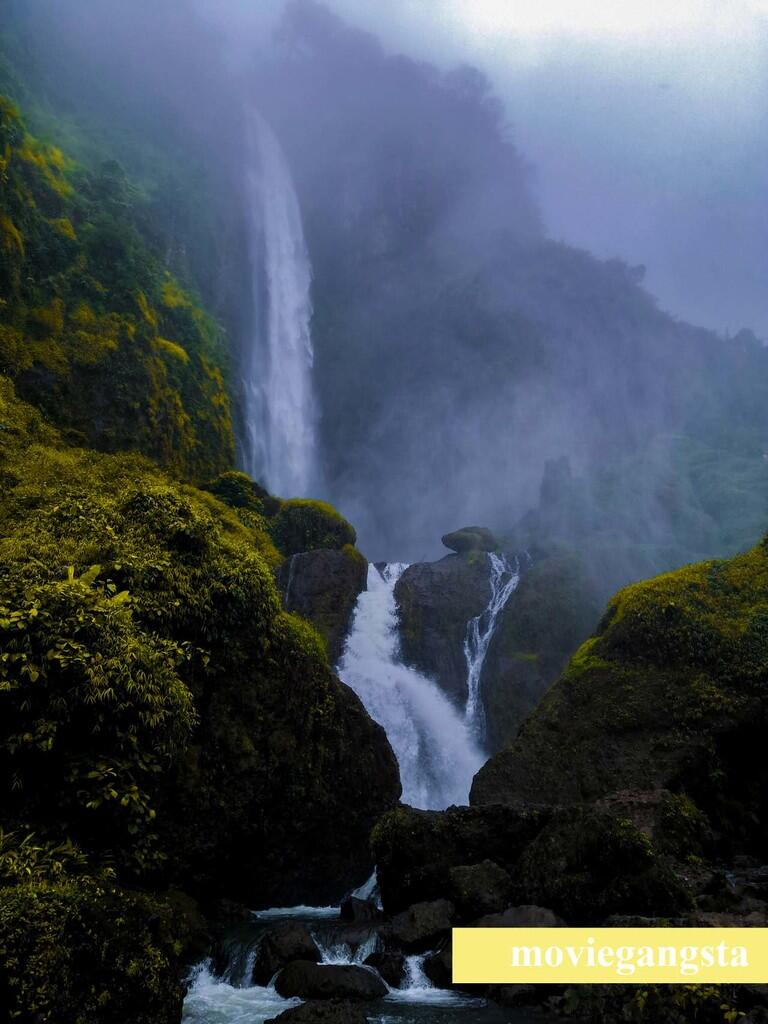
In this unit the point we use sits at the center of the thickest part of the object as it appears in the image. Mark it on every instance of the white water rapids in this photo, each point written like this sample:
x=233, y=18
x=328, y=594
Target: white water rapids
x=279, y=405
x=432, y=741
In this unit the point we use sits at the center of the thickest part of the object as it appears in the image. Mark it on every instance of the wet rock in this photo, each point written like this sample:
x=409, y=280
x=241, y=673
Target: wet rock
x=332, y=1011
x=479, y=888
x=435, y=602
x=323, y=586
x=417, y=928
x=470, y=538
x=415, y=850
x=526, y=916
x=309, y=980
x=391, y=966
x=287, y=941
x=358, y=911
x=438, y=967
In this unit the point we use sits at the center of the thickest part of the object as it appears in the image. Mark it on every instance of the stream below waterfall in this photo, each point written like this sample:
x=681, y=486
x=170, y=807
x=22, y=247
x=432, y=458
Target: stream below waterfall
x=231, y=999
x=438, y=752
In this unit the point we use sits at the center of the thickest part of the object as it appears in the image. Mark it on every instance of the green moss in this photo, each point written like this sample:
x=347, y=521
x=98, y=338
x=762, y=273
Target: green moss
x=92, y=327
x=669, y=694
x=305, y=525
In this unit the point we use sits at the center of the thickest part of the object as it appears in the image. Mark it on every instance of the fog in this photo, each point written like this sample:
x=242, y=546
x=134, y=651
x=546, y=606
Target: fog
x=501, y=202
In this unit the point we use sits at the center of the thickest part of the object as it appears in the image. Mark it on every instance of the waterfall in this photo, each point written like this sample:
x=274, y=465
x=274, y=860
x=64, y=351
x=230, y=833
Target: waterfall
x=434, y=746
x=504, y=579
x=279, y=407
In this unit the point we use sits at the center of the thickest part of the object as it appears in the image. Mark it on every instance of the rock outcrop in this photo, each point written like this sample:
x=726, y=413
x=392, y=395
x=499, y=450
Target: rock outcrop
x=286, y=942
x=435, y=602
x=309, y=980
x=322, y=586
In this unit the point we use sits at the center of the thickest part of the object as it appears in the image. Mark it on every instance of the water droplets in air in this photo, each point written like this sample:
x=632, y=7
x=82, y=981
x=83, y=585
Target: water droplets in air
x=279, y=405
x=434, y=746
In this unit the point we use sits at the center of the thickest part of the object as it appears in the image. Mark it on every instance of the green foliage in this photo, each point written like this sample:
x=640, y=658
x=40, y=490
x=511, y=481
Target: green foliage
x=80, y=951
x=93, y=328
x=672, y=1004
x=305, y=525
x=157, y=706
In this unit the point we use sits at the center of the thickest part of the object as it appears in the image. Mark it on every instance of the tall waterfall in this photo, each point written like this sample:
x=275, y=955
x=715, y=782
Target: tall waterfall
x=504, y=579
x=279, y=407
x=434, y=745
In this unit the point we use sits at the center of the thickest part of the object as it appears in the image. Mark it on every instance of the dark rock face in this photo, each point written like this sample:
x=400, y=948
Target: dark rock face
x=332, y=1011
x=358, y=911
x=478, y=889
x=552, y=612
x=309, y=980
x=435, y=602
x=470, y=538
x=587, y=864
x=416, y=850
x=416, y=928
x=323, y=586
x=391, y=966
x=286, y=942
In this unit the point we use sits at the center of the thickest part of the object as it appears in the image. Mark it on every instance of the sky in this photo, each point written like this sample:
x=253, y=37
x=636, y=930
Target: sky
x=646, y=123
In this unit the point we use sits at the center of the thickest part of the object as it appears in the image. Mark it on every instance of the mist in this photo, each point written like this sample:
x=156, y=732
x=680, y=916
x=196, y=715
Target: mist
x=534, y=244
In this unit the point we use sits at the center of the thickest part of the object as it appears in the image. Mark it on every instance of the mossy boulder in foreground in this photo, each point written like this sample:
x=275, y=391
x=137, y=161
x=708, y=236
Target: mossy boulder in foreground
x=670, y=693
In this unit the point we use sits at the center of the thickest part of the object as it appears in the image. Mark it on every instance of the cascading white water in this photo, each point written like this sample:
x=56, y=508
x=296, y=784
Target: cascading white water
x=279, y=405
x=434, y=746
x=504, y=579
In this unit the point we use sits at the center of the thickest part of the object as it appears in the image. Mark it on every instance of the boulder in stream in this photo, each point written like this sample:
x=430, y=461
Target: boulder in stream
x=287, y=941
x=391, y=966
x=331, y=1011
x=470, y=538
x=309, y=980
x=417, y=928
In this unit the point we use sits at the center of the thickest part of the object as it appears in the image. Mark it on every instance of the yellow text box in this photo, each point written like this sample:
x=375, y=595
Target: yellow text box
x=624, y=956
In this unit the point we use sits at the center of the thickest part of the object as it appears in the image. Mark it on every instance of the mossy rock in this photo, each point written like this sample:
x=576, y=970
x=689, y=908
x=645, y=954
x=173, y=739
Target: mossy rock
x=470, y=538
x=157, y=704
x=302, y=524
x=586, y=864
x=670, y=693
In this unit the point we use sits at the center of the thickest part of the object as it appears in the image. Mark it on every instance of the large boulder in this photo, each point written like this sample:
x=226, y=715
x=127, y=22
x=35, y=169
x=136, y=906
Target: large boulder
x=668, y=694
x=281, y=945
x=477, y=889
x=418, y=927
x=587, y=864
x=323, y=586
x=309, y=980
x=470, y=538
x=391, y=966
x=331, y=1011
x=416, y=850
x=435, y=601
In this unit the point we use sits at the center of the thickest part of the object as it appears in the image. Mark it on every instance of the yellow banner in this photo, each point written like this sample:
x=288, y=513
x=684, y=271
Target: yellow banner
x=588, y=956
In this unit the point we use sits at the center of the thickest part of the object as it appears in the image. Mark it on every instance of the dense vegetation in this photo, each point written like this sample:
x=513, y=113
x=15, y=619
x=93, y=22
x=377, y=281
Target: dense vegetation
x=93, y=328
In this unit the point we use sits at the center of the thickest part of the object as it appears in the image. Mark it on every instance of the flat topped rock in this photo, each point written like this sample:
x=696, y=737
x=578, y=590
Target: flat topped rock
x=309, y=980
x=470, y=538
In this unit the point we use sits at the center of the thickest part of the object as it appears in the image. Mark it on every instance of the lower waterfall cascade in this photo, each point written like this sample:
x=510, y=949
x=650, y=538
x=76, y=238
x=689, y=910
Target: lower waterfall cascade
x=435, y=749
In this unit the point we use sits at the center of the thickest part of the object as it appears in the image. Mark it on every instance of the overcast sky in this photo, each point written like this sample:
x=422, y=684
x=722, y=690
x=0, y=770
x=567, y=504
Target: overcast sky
x=646, y=121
